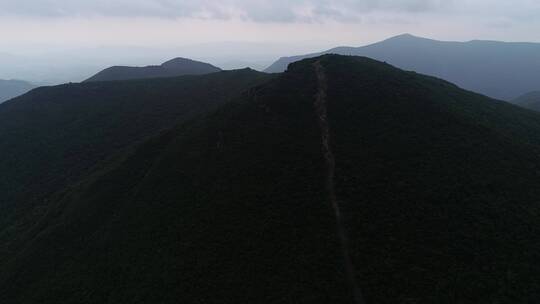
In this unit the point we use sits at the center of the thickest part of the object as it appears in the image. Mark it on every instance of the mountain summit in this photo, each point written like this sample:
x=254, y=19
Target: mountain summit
x=171, y=68
x=497, y=69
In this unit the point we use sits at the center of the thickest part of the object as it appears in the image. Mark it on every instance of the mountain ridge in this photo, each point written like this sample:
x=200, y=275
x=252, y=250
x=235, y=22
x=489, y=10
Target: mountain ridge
x=43, y=145
x=474, y=65
x=436, y=186
x=172, y=68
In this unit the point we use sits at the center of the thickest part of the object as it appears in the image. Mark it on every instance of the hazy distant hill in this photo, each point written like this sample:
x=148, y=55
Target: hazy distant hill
x=497, y=69
x=530, y=101
x=13, y=88
x=172, y=68
x=437, y=188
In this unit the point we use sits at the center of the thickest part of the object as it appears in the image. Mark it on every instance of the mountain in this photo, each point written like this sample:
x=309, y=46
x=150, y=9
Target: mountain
x=171, y=68
x=13, y=88
x=54, y=136
x=498, y=69
x=343, y=180
x=530, y=101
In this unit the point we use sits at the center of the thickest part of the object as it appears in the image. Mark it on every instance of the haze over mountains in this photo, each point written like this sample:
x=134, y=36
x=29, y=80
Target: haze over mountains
x=474, y=65
x=223, y=188
x=171, y=68
x=498, y=69
x=13, y=88
x=530, y=100
x=55, y=65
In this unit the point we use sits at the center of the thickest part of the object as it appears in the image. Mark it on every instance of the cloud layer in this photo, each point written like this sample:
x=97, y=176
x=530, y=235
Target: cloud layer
x=160, y=23
x=253, y=10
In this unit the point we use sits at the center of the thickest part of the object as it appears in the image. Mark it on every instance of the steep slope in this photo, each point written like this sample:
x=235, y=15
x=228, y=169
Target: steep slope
x=497, y=69
x=13, y=88
x=53, y=136
x=171, y=68
x=432, y=188
x=530, y=101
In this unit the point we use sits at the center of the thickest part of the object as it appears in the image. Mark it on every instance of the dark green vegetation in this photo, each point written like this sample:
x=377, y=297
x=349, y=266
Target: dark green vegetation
x=497, y=69
x=13, y=88
x=53, y=137
x=171, y=68
x=530, y=101
x=438, y=188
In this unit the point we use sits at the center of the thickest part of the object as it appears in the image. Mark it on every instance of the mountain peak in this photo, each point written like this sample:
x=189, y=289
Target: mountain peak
x=175, y=67
x=407, y=38
x=178, y=61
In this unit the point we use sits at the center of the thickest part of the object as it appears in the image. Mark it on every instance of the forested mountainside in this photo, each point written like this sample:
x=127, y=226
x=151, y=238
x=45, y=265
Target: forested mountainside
x=342, y=180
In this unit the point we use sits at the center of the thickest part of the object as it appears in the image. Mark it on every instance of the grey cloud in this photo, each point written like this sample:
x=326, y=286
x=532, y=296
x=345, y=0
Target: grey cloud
x=255, y=10
x=258, y=10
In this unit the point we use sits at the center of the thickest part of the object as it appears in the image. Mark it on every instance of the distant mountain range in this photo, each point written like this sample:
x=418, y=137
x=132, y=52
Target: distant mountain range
x=497, y=69
x=13, y=88
x=171, y=68
x=340, y=179
x=530, y=100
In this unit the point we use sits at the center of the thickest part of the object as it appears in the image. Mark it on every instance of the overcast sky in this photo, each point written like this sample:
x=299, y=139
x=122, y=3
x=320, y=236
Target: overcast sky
x=291, y=26
x=181, y=22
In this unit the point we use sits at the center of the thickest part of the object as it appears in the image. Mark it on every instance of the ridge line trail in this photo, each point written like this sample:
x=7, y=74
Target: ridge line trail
x=322, y=117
